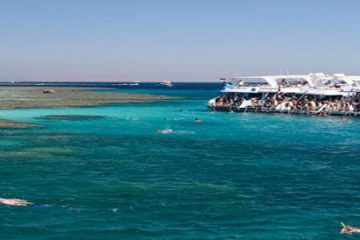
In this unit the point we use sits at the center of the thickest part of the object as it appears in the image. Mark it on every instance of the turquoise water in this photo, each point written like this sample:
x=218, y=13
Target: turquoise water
x=232, y=176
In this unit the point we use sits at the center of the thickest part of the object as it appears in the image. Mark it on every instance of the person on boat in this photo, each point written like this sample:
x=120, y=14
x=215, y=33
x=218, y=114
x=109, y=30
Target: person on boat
x=351, y=108
x=14, y=202
x=312, y=105
x=254, y=102
x=349, y=229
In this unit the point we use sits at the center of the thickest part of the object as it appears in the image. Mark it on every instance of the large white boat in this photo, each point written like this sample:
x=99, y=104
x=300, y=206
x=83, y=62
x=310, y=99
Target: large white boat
x=256, y=93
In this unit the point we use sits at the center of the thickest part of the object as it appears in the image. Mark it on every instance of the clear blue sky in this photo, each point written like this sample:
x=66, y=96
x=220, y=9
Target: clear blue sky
x=177, y=40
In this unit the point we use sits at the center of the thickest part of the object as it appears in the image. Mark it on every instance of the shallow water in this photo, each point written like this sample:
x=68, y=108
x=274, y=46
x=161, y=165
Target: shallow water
x=232, y=176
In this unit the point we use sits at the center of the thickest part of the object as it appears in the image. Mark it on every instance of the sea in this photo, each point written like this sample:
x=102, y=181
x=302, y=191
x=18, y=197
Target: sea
x=110, y=175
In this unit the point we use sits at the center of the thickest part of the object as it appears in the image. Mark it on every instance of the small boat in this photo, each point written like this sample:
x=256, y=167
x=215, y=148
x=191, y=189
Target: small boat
x=167, y=84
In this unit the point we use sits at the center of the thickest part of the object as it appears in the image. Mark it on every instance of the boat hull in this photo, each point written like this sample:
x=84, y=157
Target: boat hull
x=258, y=110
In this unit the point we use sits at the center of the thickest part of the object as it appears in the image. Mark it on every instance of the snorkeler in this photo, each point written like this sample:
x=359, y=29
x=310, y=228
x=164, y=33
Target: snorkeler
x=349, y=229
x=15, y=202
x=165, y=131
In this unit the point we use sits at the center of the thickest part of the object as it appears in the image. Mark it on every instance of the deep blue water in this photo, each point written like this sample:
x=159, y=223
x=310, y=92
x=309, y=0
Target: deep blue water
x=232, y=176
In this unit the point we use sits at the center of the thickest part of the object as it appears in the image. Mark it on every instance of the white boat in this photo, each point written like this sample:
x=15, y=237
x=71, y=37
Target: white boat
x=238, y=91
x=167, y=84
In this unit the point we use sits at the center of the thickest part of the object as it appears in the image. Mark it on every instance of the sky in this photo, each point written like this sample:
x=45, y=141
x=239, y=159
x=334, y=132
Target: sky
x=176, y=40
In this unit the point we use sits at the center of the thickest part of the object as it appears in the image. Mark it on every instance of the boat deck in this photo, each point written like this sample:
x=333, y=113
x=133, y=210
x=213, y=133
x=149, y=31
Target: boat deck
x=258, y=110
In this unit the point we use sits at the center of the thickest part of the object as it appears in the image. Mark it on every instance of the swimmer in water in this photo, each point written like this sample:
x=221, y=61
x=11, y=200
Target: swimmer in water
x=165, y=131
x=197, y=120
x=349, y=229
x=15, y=202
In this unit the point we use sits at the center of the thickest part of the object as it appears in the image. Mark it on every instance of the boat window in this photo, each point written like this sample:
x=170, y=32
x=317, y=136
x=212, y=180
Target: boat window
x=249, y=81
x=288, y=82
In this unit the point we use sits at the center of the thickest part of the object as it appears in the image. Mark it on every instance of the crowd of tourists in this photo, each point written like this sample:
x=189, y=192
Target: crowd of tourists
x=290, y=103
